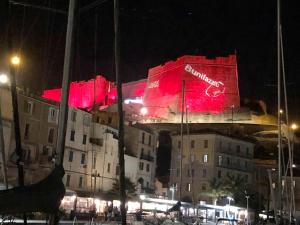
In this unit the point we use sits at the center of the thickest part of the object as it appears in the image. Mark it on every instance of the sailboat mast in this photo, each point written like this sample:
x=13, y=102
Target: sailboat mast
x=279, y=208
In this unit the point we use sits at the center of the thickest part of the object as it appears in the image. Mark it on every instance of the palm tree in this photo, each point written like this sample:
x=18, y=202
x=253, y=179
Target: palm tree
x=130, y=188
x=217, y=189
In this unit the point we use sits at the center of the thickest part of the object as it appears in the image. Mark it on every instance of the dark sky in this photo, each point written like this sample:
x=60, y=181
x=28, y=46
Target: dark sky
x=153, y=32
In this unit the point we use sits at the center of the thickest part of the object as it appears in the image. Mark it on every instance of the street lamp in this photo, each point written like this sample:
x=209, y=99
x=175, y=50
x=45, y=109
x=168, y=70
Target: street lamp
x=3, y=78
x=247, y=197
x=15, y=60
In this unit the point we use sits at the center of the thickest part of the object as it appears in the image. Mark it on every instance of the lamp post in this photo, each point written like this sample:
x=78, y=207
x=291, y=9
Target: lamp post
x=173, y=189
x=3, y=80
x=14, y=64
x=247, y=198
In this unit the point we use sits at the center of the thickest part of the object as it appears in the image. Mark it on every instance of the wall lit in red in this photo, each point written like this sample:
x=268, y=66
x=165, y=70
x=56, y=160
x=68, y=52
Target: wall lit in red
x=211, y=86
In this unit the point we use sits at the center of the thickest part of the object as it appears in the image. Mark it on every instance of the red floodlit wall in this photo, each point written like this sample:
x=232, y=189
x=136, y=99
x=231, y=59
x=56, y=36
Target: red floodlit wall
x=84, y=94
x=211, y=85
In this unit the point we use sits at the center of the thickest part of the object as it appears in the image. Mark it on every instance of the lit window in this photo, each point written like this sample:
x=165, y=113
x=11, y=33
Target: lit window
x=28, y=107
x=188, y=187
x=53, y=115
x=205, y=158
x=220, y=159
x=141, y=166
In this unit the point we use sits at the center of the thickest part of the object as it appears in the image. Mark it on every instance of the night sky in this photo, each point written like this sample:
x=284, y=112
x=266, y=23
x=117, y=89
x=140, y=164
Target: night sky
x=153, y=32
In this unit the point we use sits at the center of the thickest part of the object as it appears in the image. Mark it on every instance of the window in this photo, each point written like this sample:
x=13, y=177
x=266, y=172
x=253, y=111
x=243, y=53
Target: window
x=246, y=164
x=94, y=162
x=188, y=173
x=219, y=173
x=204, y=173
x=47, y=150
x=71, y=156
x=53, y=115
x=142, y=152
x=229, y=146
x=109, y=120
x=246, y=178
x=73, y=115
x=188, y=187
x=177, y=172
x=247, y=151
x=28, y=107
x=68, y=180
x=82, y=158
x=192, y=143
x=220, y=144
x=141, y=166
x=80, y=182
x=26, y=133
x=193, y=173
x=149, y=141
x=84, y=139
x=205, y=158
x=108, y=167
x=179, y=144
x=51, y=135
x=72, y=137
x=220, y=159
x=203, y=187
x=147, y=184
x=228, y=161
x=143, y=137
x=86, y=121
x=117, y=170
x=147, y=167
x=238, y=149
x=205, y=143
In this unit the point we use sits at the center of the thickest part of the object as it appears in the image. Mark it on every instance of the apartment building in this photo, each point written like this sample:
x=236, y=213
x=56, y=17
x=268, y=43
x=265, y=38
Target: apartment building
x=141, y=142
x=206, y=155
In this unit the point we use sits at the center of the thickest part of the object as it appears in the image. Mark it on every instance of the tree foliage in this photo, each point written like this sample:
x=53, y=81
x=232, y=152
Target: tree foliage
x=130, y=188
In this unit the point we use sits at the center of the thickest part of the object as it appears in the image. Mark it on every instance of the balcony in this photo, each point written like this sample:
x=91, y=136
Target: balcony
x=230, y=151
x=147, y=157
x=236, y=166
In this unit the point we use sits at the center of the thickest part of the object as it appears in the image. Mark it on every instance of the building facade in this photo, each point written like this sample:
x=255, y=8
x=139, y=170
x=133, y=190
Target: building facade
x=205, y=156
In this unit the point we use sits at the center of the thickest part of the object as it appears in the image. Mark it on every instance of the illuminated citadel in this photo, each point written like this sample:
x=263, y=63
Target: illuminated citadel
x=211, y=88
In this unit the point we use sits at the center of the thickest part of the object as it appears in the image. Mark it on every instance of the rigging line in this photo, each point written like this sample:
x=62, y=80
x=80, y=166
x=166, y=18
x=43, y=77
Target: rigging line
x=92, y=5
x=22, y=42
x=288, y=126
x=38, y=7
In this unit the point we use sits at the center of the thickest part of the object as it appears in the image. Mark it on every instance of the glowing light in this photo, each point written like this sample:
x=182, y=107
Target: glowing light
x=3, y=78
x=142, y=197
x=144, y=111
x=280, y=111
x=294, y=166
x=15, y=60
x=294, y=126
x=73, y=198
